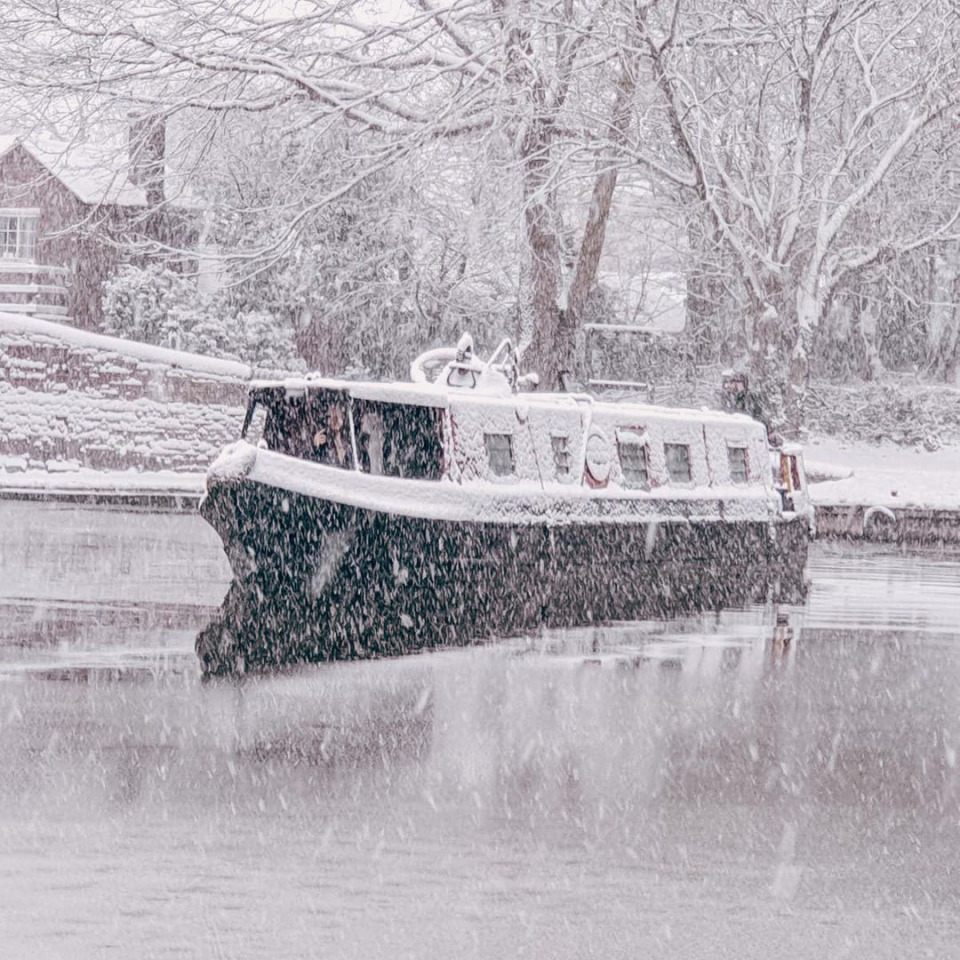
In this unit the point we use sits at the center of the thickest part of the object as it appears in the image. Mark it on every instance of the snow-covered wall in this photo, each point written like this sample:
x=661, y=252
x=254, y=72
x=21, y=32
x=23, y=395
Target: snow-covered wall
x=73, y=398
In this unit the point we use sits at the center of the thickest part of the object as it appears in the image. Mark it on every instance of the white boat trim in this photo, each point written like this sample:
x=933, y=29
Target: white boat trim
x=517, y=504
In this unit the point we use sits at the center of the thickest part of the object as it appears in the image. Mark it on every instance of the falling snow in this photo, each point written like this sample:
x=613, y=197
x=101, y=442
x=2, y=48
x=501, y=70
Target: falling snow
x=638, y=640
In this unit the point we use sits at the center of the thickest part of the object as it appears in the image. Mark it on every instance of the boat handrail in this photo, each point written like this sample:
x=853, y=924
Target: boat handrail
x=503, y=362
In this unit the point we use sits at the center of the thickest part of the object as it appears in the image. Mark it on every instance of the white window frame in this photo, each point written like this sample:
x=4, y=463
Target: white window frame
x=21, y=215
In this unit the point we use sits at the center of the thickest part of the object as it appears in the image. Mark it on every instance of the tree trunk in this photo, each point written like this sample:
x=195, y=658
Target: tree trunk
x=594, y=232
x=942, y=325
x=550, y=345
x=713, y=327
x=798, y=366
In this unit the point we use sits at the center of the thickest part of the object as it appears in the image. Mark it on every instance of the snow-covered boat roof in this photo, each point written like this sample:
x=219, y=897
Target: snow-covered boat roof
x=438, y=395
x=417, y=394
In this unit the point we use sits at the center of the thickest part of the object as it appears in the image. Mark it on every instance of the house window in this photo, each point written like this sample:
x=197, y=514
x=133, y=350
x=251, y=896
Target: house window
x=678, y=461
x=633, y=459
x=499, y=453
x=18, y=234
x=561, y=454
x=737, y=458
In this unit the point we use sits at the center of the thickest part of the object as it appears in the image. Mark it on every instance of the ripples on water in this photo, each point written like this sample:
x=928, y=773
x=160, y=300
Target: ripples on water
x=707, y=787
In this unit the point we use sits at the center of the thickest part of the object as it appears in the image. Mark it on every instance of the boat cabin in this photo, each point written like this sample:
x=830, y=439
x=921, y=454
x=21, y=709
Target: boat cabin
x=431, y=432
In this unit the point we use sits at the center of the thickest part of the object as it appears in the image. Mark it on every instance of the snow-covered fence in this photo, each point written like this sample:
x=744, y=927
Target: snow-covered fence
x=70, y=398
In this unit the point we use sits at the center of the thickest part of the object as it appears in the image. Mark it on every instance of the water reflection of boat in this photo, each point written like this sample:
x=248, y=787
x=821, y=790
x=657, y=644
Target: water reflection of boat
x=373, y=518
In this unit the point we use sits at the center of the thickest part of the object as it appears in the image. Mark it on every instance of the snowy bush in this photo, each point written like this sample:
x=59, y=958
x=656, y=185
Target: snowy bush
x=144, y=303
x=153, y=304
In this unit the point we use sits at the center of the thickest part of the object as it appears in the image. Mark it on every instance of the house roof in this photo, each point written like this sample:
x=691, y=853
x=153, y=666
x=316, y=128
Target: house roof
x=95, y=175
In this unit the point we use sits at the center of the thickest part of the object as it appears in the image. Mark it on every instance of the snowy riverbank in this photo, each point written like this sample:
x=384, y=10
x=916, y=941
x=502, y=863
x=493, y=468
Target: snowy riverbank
x=161, y=489
x=884, y=475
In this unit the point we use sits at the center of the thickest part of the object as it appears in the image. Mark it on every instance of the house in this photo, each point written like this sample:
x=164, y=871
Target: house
x=71, y=213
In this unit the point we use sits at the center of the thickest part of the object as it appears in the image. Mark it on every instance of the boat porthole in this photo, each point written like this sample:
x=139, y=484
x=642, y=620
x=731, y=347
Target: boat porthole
x=598, y=459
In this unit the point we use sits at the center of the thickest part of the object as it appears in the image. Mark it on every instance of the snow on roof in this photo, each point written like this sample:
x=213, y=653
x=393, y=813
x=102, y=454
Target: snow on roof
x=301, y=383
x=417, y=394
x=653, y=412
x=437, y=395
x=94, y=174
x=14, y=323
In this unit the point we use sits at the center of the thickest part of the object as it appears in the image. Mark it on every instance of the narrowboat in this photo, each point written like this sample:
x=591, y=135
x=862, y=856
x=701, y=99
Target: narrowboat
x=367, y=519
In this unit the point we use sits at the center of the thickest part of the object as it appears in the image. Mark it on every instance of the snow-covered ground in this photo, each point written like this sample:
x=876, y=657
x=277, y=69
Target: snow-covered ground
x=102, y=482
x=883, y=475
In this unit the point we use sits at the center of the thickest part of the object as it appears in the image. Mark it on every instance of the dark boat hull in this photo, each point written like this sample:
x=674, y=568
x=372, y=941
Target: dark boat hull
x=318, y=580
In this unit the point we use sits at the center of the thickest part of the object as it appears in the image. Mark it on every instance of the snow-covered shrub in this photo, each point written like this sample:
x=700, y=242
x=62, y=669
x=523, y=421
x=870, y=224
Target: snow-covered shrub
x=156, y=305
x=268, y=340
x=144, y=303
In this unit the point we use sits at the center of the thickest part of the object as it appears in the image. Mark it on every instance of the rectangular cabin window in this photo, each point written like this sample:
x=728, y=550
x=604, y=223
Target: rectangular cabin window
x=311, y=424
x=18, y=234
x=678, y=461
x=737, y=458
x=633, y=458
x=499, y=453
x=562, y=457
x=399, y=439
x=254, y=423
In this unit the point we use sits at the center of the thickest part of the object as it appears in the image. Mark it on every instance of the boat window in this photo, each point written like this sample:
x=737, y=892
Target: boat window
x=633, y=458
x=499, y=453
x=254, y=422
x=678, y=461
x=784, y=478
x=399, y=440
x=737, y=458
x=371, y=443
x=562, y=458
x=309, y=424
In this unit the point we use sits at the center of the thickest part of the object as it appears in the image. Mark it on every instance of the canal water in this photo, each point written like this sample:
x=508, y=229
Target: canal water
x=713, y=786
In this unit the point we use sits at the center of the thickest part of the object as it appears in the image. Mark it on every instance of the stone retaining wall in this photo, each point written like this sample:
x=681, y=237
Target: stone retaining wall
x=71, y=399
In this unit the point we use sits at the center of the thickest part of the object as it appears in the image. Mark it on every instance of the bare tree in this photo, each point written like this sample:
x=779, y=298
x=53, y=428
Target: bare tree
x=810, y=136
x=538, y=88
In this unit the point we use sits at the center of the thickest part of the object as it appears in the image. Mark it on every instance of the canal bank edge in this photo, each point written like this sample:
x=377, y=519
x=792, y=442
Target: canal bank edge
x=91, y=419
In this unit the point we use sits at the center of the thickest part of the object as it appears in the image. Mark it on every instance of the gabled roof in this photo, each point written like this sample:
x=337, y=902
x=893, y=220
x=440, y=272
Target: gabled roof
x=95, y=175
